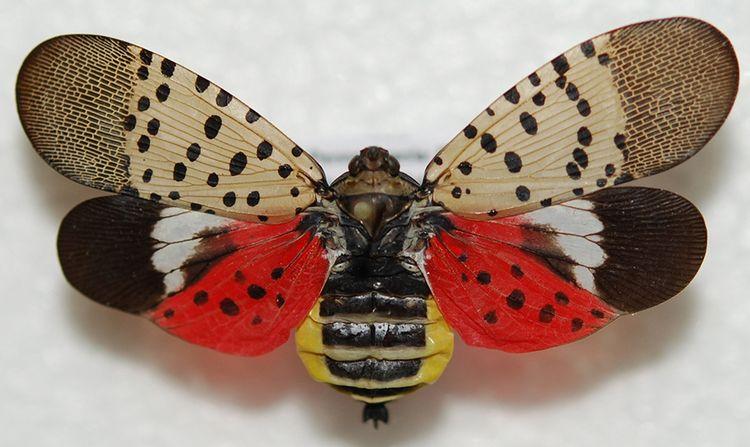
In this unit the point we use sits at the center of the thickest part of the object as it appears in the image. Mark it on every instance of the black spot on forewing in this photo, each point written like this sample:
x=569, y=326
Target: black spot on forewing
x=212, y=126
x=534, y=79
x=143, y=104
x=539, y=99
x=587, y=48
x=581, y=157
x=512, y=96
x=223, y=98
x=179, y=172
x=252, y=116
x=264, y=151
x=144, y=143
x=528, y=122
x=129, y=123
x=488, y=143
x=229, y=199
x=162, y=92
x=620, y=141
x=522, y=193
x=560, y=64
x=253, y=198
x=584, y=136
x=583, y=107
x=142, y=73
x=572, y=91
x=153, y=126
x=465, y=167
x=284, y=170
x=213, y=179
x=193, y=152
x=201, y=84
x=513, y=162
x=238, y=163
x=146, y=56
x=167, y=68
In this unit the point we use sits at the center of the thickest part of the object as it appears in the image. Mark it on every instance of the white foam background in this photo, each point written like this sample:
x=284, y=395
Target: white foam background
x=337, y=76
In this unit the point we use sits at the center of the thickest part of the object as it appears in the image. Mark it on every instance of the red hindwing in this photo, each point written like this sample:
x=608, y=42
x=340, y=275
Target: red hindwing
x=555, y=275
x=496, y=295
x=235, y=286
x=249, y=300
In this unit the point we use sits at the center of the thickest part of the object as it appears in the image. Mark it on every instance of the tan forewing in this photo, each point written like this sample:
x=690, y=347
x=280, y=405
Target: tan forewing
x=623, y=105
x=117, y=117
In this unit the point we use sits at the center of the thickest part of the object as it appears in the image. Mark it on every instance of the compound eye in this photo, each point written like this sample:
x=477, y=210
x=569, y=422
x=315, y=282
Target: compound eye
x=354, y=166
x=394, y=167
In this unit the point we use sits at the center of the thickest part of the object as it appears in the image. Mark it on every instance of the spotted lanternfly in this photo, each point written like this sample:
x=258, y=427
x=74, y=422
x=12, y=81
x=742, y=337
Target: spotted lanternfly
x=226, y=233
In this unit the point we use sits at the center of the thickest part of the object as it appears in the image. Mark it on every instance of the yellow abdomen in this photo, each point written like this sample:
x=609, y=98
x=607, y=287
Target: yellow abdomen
x=375, y=347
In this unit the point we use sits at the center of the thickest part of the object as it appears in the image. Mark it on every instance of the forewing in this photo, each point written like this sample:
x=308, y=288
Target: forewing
x=623, y=105
x=117, y=117
x=234, y=286
x=552, y=276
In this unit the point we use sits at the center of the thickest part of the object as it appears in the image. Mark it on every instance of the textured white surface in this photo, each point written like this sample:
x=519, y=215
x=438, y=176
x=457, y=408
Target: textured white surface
x=337, y=76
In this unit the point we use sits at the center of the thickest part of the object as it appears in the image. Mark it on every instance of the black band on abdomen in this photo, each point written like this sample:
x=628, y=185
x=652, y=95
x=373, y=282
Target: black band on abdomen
x=374, y=303
x=373, y=369
x=385, y=335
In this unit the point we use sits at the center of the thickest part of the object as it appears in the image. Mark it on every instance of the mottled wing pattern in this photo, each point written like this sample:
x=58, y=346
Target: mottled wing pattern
x=234, y=286
x=557, y=274
x=120, y=118
x=623, y=105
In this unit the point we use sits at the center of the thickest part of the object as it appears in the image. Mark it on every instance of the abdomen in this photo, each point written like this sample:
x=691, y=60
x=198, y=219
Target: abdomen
x=375, y=345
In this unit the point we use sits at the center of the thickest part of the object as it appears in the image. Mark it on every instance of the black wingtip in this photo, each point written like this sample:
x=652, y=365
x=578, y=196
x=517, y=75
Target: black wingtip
x=376, y=413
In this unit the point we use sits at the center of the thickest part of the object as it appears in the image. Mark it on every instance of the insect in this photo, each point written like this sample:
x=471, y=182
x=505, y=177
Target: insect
x=227, y=234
